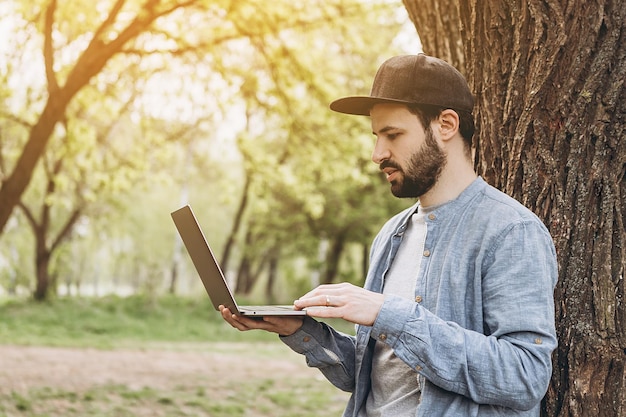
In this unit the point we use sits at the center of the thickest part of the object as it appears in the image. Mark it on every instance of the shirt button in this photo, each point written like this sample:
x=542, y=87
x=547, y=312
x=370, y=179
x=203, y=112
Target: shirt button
x=427, y=253
x=382, y=337
x=432, y=216
x=418, y=368
x=306, y=339
x=538, y=341
x=418, y=299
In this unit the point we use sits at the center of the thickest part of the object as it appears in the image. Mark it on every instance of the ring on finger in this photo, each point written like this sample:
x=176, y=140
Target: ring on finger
x=328, y=301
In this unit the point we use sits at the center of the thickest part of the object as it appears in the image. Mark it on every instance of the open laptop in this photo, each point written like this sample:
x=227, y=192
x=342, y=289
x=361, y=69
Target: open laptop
x=211, y=273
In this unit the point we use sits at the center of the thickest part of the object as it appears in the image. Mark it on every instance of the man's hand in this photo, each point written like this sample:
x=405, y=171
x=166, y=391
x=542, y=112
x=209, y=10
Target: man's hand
x=284, y=326
x=345, y=301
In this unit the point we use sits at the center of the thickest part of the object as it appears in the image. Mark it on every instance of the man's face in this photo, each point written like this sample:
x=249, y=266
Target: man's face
x=406, y=152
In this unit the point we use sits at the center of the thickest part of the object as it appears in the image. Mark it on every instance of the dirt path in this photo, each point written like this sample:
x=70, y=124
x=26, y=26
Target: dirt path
x=26, y=367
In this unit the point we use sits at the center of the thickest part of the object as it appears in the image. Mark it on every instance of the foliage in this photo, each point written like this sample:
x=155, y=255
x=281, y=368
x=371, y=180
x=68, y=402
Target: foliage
x=306, y=180
x=160, y=120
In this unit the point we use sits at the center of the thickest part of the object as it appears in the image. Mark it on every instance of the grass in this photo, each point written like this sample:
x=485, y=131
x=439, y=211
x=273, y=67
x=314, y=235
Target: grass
x=168, y=323
x=111, y=322
x=254, y=398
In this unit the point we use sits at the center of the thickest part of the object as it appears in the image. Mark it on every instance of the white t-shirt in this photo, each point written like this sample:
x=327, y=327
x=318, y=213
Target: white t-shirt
x=395, y=390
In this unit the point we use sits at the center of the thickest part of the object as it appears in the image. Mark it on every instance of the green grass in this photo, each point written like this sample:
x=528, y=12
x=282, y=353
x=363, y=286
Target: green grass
x=111, y=322
x=168, y=323
x=258, y=398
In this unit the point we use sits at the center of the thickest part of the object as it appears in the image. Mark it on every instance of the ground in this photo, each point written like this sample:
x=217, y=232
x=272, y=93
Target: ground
x=218, y=367
x=25, y=367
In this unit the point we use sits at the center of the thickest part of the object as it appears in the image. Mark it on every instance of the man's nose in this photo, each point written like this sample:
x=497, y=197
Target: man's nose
x=380, y=152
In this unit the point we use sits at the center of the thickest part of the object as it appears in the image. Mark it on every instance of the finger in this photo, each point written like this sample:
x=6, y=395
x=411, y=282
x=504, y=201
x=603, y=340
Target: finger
x=319, y=300
x=319, y=294
x=226, y=314
x=234, y=320
x=323, y=289
x=327, y=299
x=324, y=312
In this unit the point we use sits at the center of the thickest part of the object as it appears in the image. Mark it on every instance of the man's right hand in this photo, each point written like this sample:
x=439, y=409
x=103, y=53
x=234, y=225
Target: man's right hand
x=283, y=326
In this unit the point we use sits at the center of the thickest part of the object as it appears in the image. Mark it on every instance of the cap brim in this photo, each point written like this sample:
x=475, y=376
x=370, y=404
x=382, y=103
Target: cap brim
x=360, y=105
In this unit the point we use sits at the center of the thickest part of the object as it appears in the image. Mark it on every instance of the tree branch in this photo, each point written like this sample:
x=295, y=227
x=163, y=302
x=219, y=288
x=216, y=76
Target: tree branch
x=48, y=48
x=67, y=228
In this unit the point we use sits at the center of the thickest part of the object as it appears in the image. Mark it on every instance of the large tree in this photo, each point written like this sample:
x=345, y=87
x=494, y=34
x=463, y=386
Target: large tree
x=551, y=108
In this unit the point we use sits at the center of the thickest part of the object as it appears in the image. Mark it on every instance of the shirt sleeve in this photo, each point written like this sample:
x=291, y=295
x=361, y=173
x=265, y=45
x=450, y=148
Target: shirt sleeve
x=509, y=362
x=332, y=352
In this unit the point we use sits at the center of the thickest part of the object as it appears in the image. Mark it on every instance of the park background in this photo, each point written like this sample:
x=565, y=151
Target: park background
x=115, y=113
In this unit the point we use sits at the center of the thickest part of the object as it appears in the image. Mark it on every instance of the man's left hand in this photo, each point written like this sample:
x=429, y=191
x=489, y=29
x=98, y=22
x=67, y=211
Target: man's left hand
x=345, y=301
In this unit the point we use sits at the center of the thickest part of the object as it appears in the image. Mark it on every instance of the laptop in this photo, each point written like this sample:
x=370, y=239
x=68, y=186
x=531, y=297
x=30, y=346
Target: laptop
x=211, y=273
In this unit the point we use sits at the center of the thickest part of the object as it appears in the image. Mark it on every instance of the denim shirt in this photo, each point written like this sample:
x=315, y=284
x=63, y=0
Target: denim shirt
x=480, y=331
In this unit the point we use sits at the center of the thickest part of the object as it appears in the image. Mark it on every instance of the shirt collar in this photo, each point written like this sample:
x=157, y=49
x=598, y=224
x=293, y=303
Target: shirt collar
x=451, y=206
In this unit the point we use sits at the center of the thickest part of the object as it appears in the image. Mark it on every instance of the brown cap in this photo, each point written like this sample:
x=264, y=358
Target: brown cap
x=412, y=79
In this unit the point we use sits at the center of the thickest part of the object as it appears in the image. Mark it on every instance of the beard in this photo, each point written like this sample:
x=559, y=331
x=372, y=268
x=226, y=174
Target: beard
x=422, y=171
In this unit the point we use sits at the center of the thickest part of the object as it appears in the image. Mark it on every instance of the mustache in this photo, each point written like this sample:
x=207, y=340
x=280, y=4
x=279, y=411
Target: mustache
x=389, y=164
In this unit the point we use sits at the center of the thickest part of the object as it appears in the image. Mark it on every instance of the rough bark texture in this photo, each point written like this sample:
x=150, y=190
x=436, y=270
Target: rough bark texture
x=439, y=28
x=551, y=109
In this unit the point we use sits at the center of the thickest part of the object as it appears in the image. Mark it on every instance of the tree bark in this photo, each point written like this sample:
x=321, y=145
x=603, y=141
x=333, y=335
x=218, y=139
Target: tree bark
x=438, y=24
x=548, y=78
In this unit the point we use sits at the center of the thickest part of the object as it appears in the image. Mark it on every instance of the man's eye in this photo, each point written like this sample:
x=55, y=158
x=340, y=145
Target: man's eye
x=392, y=136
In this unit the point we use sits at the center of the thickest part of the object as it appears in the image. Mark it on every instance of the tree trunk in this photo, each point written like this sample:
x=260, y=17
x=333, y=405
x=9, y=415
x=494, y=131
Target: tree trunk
x=272, y=277
x=550, y=107
x=41, y=229
x=332, y=259
x=245, y=281
x=237, y=223
x=13, y=187
x=174, y=276
x=437, y=22
x=42, y=262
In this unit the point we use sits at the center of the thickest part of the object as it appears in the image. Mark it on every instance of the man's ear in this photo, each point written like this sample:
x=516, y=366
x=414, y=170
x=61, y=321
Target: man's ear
x=448, y=124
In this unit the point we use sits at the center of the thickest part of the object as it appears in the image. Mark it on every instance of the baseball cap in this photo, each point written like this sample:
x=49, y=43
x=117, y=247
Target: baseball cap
x=412, y=79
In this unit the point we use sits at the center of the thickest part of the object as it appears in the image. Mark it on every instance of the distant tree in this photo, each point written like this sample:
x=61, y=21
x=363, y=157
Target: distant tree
x=282, y=48
x=549, y=79
x=308, y=174
x=112, y=35
x=41, y=224
x=69, y=188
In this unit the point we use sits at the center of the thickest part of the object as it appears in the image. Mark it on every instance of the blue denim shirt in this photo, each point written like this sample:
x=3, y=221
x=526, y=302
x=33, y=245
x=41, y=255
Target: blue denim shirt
x=480, y=331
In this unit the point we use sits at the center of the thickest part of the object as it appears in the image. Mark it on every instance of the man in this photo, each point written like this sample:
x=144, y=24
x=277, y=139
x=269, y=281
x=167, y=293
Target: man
x=456, y=317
